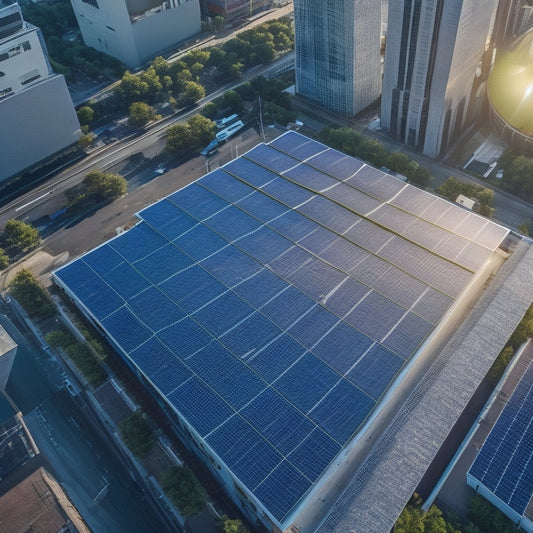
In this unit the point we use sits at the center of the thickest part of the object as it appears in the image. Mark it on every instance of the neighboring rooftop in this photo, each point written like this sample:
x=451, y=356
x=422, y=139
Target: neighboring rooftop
x=287, y=290
x=38, y=504
x=16, y=446
x=504, y=464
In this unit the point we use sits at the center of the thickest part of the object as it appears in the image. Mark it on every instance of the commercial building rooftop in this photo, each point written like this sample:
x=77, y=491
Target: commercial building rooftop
x=276, y=302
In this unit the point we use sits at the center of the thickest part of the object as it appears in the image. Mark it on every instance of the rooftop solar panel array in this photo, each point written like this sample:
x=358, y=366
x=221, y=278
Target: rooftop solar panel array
x=505, y=462
x=284, y=293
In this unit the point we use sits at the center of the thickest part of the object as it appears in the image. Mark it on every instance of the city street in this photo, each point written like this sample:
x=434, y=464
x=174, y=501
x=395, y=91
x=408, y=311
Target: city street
x=82, y=459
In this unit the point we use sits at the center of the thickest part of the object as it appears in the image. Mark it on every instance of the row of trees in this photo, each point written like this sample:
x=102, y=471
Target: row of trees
x=482, y=517
x=372, y=151
x=184, y=82
x=184, y=136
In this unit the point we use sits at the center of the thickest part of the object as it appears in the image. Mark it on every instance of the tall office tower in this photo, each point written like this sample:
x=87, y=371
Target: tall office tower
x=134, y=31
x=338, y=53
x=235, y=9
x=514, y=18
x=434, y=69
x=37, y=117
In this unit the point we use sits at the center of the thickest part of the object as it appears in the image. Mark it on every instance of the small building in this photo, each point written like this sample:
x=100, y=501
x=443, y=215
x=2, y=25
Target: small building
x=465, y=201
x=134, y=31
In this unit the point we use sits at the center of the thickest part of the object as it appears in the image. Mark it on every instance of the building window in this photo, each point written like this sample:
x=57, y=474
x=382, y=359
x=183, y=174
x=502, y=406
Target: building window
x=5, y=92
x=93, y=3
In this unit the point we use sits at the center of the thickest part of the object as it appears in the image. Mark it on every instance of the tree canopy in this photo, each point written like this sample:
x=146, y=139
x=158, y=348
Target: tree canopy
x=184, y=490
x=31, y=295
x=19, y=235
x=140, y=114
x=453, y=187
x=196, y=132
x=137, y=434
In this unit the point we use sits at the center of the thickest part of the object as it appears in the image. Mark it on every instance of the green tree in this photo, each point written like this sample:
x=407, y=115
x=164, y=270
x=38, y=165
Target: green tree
x=202, y=130
x=85, y=115
x=136, y=432
x=19, y=235
x=420, y=177
x=184, y=490
x=178, y=138
x=31, y=295
x=86, y=140
x=4, y=259
x=132, y=88
x=192, y=92
x=104, y=185
x=140, y=114
x=400, y=163
x=487, y=518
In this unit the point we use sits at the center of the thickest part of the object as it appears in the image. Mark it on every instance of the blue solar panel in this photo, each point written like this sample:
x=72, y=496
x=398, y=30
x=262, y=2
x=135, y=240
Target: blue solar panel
x=153, y=357
x=294, y=383
x=167, y=218
x=293, y=225
x=223, y=313
x=279, y=421
x=341, y=302
x=407, y=336
x=250, y=172
x=292, y=260
x=200, y=242
x=192, y=288
x=184, y=338
x=250, y=464
x=274, y=359
x=262, y=207
x=126, y=281
x=75, y=275
x=155, y=309
x=313, y=326
x=270, y=158
x=264, y=245
x=225, y=186
x=259, y=289
x=103, y=259
x=343, y=347
x=329, y=214
x=232, y=223
x=163, y=263
x=251, y=335
x=103, y=300
x=282, y=489
x=231, y=266
x=197, y=201
x=138, y=242
x=336, y=164
x=314, y=454
x=297, y=146
x=310, y=178
x=342, y=411
x=226, y=375
x=214, y=410
x=126, y=329
x=375, y=370
x=287, y=193
x=287, y=307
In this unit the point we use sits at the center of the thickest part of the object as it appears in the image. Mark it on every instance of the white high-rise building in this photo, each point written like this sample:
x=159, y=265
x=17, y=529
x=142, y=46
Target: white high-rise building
x=134, y=31
x=337, y=46
x=433, y=73
x=37, y=116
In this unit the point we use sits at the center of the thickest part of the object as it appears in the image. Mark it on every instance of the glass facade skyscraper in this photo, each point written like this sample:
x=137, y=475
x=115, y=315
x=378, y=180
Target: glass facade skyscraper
x=337, y=46
x=433, y=72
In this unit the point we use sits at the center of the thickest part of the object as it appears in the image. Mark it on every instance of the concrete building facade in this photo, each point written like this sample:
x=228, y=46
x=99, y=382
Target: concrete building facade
x=337, y=47
x=134, y=31
x=8, y=350
x=435, y=65
x=37, y=116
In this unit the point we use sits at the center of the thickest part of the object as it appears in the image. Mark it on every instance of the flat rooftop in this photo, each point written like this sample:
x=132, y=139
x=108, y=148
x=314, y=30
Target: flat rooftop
x=275, y=302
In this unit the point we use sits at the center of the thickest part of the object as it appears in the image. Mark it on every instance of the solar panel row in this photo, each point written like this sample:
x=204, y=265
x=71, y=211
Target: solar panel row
x=505, y=462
